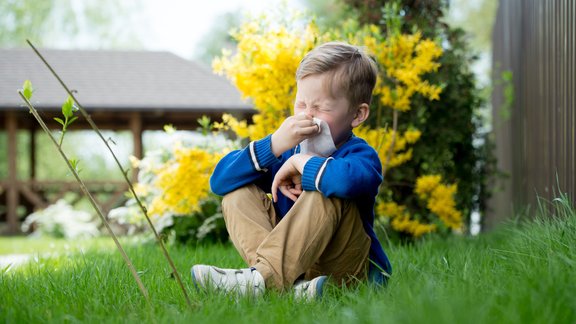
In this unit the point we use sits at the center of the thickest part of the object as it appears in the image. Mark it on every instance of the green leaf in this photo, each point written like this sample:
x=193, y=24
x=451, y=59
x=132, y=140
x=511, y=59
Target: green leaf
x=74, y=163
x=204, y=121
x=60, y=121
x=205, y=124
x=67, y=107
x=27, y=89
x=72, y=120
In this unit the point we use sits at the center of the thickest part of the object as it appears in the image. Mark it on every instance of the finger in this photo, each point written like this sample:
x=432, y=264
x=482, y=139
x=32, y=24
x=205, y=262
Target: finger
x=306, y=122
x=310, y=130
x=295, y=192
x=275, y=191
x=286, y=191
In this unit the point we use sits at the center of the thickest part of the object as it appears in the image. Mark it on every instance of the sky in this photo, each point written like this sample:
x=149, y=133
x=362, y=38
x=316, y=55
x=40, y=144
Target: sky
x=178, y=25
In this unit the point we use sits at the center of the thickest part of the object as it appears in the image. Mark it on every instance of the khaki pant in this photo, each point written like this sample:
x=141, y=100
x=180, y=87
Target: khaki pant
x=318, y=236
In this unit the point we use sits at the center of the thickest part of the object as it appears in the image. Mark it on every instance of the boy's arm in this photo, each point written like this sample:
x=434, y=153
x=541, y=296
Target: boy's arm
x=242, y=167
x=250, y=165
x=357, y=173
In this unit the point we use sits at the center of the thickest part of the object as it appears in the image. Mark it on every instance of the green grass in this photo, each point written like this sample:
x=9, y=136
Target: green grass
x=42, y=245
x=523, y=272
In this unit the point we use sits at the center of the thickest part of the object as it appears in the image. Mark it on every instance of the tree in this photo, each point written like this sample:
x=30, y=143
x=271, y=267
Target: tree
x=329, y=13
x=219, y=37
x=67, y=23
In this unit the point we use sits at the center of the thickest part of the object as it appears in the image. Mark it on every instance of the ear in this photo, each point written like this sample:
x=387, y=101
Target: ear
x=361, y=115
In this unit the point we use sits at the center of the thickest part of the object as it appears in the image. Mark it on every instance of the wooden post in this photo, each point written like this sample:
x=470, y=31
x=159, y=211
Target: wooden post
x=136, y=128
x=32, y=153
x=12, y=200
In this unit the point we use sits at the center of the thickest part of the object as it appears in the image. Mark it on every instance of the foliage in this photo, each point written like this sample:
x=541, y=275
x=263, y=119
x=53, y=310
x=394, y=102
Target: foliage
x=218, y=37
x=512, y=275
x=454, y=141
x=477, y=19
x=173, y=183
x=61, y=220
x=263, y=69
x=51, y=22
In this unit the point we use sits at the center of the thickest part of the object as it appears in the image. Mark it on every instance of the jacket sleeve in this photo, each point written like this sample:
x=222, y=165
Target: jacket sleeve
x=241, y=167
x=355, y=173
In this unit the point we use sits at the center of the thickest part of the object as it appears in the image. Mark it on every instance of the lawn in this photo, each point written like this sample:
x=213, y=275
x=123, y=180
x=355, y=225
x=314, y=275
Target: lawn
x=521, y=273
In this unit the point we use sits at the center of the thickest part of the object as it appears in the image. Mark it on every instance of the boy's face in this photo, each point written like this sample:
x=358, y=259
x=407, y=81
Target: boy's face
x=314, y=99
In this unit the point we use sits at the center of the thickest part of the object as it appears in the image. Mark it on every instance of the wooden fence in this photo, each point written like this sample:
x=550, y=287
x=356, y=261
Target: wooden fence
x=535, y=40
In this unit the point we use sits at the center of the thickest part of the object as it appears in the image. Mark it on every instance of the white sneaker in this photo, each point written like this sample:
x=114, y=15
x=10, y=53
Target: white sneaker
x=241, y=281
x=309, y=289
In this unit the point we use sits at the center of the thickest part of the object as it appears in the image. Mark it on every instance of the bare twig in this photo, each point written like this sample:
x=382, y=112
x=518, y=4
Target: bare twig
x=90, y=198
x=124, y=172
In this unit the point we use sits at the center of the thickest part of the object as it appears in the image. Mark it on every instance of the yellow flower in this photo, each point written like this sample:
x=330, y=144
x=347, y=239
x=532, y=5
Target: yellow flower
x=183, y=182
x=426, y=184
x=440, y=199
x=401, y=221
x=412, y=136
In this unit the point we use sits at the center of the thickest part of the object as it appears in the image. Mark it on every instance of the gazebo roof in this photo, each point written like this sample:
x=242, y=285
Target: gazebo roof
x=116, y=80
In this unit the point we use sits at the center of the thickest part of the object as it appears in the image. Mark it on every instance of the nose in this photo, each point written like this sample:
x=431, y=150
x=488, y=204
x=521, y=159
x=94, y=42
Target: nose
x=309, y=111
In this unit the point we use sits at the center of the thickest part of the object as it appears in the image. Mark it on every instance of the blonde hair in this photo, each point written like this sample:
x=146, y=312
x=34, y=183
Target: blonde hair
x=350, y=70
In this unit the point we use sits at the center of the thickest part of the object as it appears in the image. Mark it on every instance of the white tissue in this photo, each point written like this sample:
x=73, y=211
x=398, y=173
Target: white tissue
x=321, y=144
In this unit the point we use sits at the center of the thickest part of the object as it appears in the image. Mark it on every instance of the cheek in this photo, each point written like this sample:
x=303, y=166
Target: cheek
x=335, y=127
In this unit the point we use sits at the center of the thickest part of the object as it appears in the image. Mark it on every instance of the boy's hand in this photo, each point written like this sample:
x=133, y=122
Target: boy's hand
x=289, y=178
x=293, y=130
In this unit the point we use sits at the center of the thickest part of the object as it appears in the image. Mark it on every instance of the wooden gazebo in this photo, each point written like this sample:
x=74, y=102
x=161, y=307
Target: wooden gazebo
x=121, y=90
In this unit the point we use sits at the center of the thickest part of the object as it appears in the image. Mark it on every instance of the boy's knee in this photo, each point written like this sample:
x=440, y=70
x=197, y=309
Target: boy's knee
x=316, y=198
x=240, y=194
x=250, y=196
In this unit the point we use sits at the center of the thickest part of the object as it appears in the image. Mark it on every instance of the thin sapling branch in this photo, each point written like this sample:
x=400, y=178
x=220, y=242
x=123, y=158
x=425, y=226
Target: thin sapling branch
x=124, y=172
x=68, y=109
x=26, y=96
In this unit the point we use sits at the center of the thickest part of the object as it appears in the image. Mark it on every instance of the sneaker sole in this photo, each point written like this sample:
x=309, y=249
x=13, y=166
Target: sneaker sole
x=194, y=279
x=319, y=287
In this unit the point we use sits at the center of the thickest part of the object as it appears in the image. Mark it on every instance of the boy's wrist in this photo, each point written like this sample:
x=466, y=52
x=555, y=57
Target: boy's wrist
x=261, y=153
x=274, y=145
x=299, y=161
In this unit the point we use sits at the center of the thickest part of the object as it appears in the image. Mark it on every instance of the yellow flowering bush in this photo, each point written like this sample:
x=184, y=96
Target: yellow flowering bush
x=183, y=181
x=381, y=140
x=263, y=69
x=401, y=221
x=404, y=59
x=173, y=184
x=438, y=199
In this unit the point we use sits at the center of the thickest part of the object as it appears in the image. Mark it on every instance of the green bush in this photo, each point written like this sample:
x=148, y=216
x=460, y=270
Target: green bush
x=454, y=141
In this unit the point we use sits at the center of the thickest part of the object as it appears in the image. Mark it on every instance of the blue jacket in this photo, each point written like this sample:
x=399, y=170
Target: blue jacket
x=354, y=172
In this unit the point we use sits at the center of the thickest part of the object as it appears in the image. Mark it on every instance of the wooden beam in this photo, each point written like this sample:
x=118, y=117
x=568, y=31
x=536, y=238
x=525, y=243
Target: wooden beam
x=12, y=185
x=136, y=129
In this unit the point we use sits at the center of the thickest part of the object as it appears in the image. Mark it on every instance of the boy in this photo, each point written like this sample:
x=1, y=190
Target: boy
x=320, y=220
